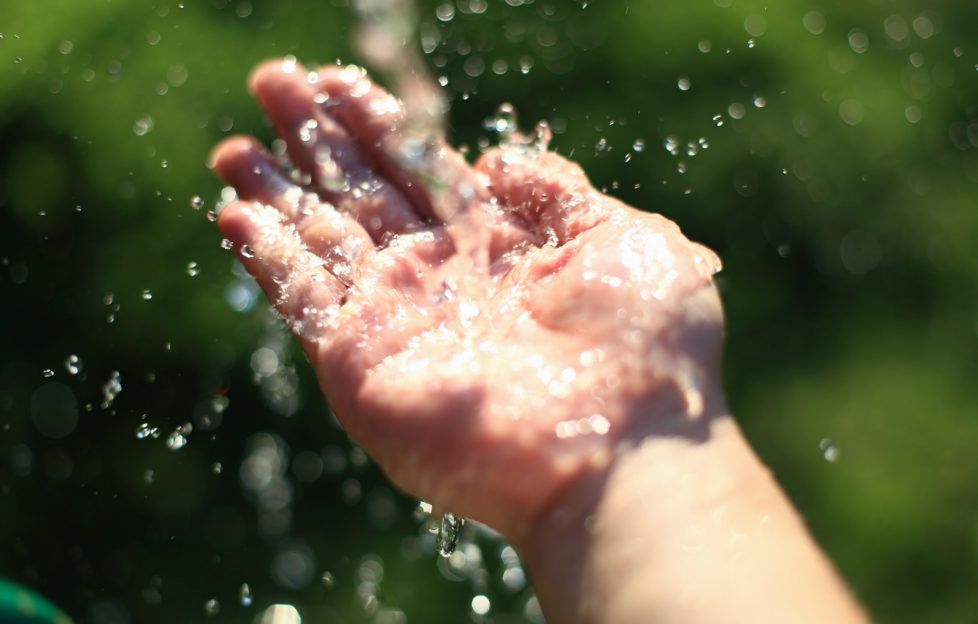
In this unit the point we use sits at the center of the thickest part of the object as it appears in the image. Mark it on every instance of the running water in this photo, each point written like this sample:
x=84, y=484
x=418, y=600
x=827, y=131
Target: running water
x=385, y=26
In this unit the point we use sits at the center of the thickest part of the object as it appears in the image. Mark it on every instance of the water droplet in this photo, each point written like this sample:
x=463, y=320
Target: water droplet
x=829, y=450
x=164, y=164
x=212, y=607
x=247, y=251
x=146, y=295
x=683, y=83
x=671, y=144
x=480, y=604
x=718, y=120
x=111, y=388
x=145, y=430
x=47, y=373
x=449, y=530
x=192, y=269
x=226, y=244
x=543, y=136
x=196, y=202
x=73, y=364
x=142, y=126
x=178, y=437
x=638, y=145
x=328, y=580
x=217, y=468
x=503, y=123
x=245, y=596
x=445, y=12
x=307, y=130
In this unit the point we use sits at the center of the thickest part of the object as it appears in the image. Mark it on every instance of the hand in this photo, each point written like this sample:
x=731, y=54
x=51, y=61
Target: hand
x=490, y=334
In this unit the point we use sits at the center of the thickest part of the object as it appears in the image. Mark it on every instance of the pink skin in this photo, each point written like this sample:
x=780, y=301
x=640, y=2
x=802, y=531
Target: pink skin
x=492, y=345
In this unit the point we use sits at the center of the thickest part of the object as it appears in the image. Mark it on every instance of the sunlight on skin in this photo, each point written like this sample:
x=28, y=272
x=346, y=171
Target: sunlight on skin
x=462, y=352
x=518, y=348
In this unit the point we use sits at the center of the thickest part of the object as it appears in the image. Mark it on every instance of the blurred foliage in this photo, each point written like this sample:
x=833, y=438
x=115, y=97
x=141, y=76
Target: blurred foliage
x=829, y=153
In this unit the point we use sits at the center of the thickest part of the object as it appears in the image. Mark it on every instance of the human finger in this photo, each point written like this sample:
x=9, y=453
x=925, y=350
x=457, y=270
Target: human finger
x=407, y=146
x=299, y=286
x=336, y=237
x=336, y=166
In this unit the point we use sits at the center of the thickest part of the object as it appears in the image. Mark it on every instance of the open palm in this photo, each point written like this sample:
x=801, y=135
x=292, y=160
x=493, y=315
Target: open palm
x=488, y=333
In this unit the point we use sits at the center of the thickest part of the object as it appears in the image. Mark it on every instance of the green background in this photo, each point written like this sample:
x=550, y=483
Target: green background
x=839, y=183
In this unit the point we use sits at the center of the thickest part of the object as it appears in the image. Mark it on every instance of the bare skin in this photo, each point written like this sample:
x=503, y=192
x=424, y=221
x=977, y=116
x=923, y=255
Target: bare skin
x=520, y=349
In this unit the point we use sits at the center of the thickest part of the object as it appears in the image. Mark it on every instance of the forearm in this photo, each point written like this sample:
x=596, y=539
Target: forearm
x=683, y=529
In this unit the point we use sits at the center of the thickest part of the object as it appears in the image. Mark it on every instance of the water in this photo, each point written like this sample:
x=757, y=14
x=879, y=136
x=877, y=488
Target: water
x=449, y=531
x=73, y=365
x=212, y=607
x=145, y=430
x=178, y=437
x=111, y=389
x=830, y=452
x=130, y=237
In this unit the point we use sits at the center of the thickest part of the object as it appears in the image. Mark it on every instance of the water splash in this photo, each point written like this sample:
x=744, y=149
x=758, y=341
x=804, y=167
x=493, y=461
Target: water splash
x=503, y=122
x=244, y=595
x=111, y=389
x=178, y=437
x=449, y=531
x=212, y=607
x=145, y=430
x=386, y=37
x=830, y=452
x=73, y=365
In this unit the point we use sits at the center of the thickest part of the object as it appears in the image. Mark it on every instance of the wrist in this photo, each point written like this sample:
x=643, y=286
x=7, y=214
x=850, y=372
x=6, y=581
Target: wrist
x=610, y=527
x=686, y=526
x=660, y=445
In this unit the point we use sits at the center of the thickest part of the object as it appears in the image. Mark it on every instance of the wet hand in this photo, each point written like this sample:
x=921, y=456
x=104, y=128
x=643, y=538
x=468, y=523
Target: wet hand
x=490, y=334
